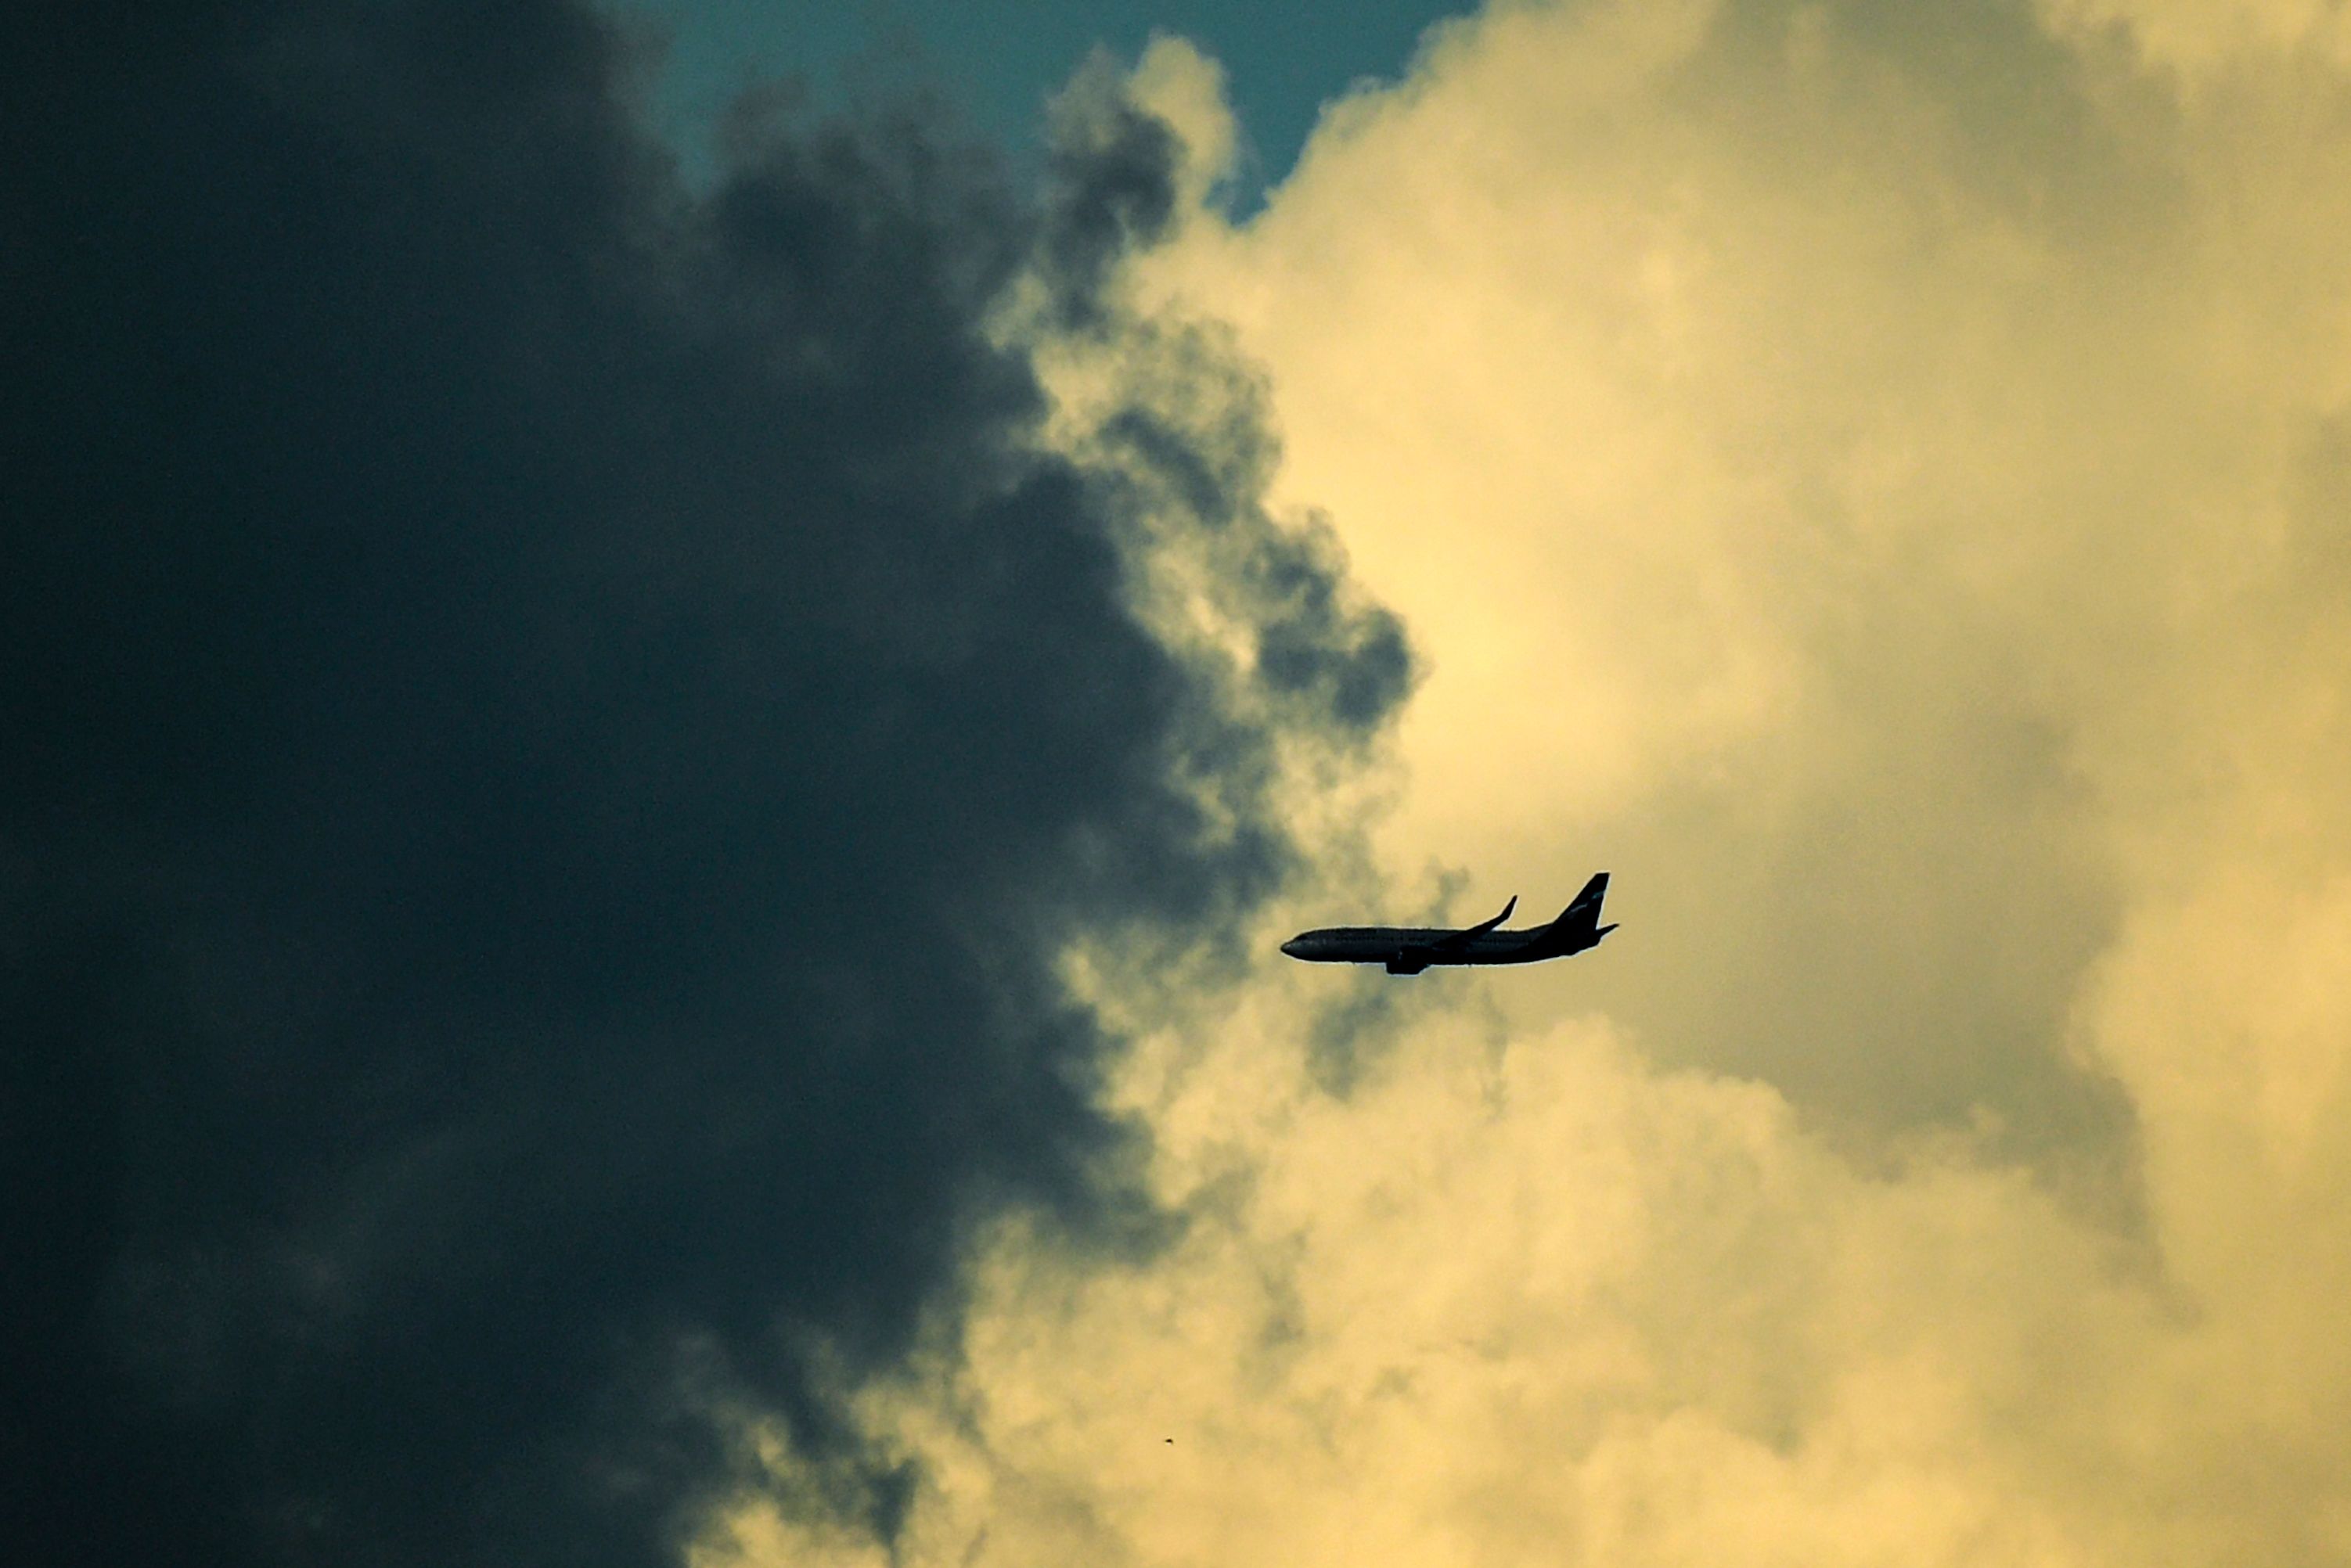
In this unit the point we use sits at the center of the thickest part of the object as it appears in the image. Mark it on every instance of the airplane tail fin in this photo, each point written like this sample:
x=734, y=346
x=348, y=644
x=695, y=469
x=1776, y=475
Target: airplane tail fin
x=1578, y=926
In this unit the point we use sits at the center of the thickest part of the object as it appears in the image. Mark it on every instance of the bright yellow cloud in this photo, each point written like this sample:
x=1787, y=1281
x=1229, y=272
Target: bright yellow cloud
x=2199, y=36
x=1878, y=478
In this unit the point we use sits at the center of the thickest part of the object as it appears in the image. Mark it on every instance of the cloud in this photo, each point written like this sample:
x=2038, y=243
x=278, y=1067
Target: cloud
x=2198, y=38
x=1873, y=479
x=1801, y=405
x=558, y=730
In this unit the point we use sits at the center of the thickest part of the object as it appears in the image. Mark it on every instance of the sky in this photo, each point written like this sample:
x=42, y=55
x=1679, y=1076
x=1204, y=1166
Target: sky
x=997, y=66
x=650, y=807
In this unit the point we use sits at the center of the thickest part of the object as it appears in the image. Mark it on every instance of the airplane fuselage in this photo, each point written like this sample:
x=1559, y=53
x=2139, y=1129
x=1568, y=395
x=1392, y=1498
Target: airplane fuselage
x=1378, y=944
x=1409, y=949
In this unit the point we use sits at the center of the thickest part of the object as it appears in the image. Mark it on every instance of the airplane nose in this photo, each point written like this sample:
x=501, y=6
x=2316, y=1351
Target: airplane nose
x=1290, y=947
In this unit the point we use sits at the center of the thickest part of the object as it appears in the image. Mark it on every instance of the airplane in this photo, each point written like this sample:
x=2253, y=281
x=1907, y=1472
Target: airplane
x=1409, y=949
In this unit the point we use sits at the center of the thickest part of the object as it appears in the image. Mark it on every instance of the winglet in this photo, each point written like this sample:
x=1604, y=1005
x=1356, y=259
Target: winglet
x=1454, y=942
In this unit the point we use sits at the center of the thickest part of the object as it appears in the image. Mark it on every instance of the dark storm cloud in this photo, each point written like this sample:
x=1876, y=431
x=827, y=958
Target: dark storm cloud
x=1110, y=189
x=551, y=730
x=1196, y=443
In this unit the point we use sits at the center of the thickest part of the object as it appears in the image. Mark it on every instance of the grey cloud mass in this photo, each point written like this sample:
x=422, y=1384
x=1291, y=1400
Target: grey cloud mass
x=487, y=639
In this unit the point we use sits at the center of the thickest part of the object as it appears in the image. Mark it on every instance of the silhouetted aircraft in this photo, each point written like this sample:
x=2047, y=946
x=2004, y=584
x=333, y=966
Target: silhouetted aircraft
x=1409, y=949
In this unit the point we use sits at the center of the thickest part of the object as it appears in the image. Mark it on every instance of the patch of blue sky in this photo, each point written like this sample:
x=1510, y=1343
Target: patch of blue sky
x=996, y=65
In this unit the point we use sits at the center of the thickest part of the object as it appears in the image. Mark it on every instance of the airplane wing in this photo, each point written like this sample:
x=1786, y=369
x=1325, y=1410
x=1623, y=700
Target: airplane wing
x=1460, y=939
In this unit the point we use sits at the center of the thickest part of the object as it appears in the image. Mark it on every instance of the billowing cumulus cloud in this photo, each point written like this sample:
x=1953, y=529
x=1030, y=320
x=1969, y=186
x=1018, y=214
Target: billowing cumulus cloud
x=556, y=732
x=1875, y=478
x=2197, y=38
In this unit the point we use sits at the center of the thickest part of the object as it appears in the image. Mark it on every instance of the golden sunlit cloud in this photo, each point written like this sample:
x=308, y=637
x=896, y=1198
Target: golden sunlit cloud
x=1879, y=479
